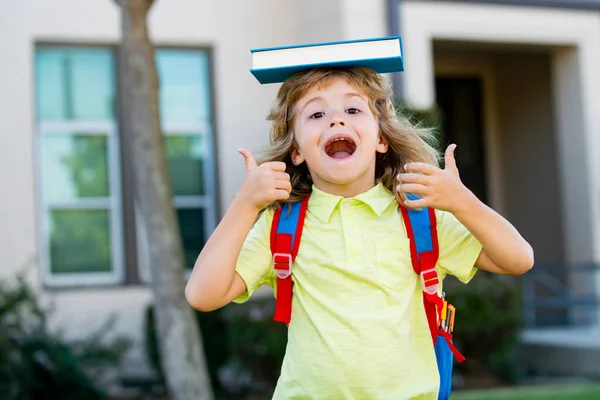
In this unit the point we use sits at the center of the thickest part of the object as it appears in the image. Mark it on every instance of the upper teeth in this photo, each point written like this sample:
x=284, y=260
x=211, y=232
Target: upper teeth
x=337, y=139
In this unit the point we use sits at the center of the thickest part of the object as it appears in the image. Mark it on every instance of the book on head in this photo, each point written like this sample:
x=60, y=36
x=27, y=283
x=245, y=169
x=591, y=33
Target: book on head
x=276, y=64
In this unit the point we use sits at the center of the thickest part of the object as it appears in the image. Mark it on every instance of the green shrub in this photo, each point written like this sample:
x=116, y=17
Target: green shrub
x=38, y=363
x=215, y=341
x=256, y=341
x=244, y=347
x=487, y=324
x=430, y=118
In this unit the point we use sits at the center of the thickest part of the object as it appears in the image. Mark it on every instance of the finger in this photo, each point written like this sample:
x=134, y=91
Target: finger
x=421, y=167
x=248, y=159
x=414, y=178
x=420, y=203
x=414, y=188
x=276, y=165
x=449, y=159
x=283, y=176
x=281, y=194
x=283, y=185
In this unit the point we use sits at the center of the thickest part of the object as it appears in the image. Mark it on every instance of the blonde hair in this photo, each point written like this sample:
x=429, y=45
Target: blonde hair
x=406, y=142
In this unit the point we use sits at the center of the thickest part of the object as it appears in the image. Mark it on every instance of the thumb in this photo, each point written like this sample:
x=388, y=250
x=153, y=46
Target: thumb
x=248, y=159
x=449, y=159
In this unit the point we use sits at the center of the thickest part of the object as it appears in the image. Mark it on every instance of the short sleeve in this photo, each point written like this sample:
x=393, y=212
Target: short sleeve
x=254, y=264
x=459, y=249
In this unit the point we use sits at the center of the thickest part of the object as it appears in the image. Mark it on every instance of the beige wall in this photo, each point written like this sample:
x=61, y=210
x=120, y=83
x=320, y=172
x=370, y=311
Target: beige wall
x=339, y=20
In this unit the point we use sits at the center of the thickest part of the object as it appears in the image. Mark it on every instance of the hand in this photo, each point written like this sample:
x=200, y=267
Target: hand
x=264, y=184
x=438, y=188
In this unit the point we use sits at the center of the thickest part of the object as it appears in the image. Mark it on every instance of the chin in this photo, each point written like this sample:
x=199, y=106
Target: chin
x=342, y=178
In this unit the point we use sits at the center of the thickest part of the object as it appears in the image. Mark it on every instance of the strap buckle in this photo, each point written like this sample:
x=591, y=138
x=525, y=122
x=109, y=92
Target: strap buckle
x=430, y=281
x=282, y=263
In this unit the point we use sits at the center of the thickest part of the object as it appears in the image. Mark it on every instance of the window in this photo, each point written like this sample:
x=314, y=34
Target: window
x=80, y=203
x=79, y=174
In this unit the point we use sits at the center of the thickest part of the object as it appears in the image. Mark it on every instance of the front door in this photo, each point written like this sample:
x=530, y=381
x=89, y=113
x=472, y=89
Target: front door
x=460, y=102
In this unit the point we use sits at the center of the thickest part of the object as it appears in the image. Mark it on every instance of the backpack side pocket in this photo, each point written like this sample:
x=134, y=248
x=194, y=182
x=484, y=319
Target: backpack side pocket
x=445, y=361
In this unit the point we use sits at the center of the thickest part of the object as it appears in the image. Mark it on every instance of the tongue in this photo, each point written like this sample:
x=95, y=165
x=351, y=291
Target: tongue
x=340, y=149
x=341, y=154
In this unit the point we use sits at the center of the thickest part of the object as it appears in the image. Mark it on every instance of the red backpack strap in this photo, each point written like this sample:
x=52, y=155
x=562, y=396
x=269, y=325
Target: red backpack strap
x=424, y=251
x=286, y=232
x=421, y=229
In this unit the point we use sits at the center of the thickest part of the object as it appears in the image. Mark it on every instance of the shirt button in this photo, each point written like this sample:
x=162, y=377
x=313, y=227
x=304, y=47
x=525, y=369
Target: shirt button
x=351, y=233
x=347, y=205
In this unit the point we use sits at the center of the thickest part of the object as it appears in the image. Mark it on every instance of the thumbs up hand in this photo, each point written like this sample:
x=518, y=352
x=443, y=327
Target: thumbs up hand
x=438, y=188
x=264, y=183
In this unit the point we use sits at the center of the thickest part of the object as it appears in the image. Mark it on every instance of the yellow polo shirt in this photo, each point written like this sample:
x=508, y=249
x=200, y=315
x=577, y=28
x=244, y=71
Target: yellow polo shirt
x=358, y=328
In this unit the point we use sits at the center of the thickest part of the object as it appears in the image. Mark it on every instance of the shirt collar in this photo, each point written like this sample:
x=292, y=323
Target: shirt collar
x=322, y=204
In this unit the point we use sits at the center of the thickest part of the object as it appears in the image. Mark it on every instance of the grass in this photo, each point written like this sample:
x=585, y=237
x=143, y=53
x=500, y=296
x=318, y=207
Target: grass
x=550, y=392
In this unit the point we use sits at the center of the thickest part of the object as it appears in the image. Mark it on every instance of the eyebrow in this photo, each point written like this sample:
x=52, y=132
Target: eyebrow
x=348, y=95
x=354, y=94
x=310, y=101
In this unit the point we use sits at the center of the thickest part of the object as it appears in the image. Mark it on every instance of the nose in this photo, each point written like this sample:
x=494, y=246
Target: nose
x=337, y=119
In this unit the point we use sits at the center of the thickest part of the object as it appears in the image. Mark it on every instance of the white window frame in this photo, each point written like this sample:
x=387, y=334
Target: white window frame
x=113, y=203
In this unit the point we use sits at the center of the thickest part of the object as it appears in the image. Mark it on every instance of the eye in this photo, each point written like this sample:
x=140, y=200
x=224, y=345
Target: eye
x=317, y=115
x=352, y=110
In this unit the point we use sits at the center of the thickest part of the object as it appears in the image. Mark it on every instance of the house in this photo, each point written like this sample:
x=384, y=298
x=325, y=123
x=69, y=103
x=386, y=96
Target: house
x=517, y=81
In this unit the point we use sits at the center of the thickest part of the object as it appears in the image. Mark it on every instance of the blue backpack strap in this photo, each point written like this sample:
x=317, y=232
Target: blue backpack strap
x=286, y=233
x=421, y=228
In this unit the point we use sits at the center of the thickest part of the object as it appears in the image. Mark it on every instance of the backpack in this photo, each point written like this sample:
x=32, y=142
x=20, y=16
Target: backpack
x=286, y=231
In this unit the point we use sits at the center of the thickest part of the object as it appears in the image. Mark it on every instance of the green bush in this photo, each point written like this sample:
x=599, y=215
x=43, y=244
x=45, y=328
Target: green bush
x=244, y=347
x=215, y=338
x=487, y=324
x=256, y=341
x=430, y=118
x=38, y=363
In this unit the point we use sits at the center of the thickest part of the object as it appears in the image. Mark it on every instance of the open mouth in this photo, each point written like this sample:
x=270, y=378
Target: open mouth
x=340, y=147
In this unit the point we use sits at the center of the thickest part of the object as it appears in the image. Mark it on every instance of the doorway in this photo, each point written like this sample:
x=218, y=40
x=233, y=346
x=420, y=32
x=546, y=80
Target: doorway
x=460, y=100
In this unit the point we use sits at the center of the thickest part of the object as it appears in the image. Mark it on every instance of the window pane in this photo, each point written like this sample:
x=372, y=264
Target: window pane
x=92, y=84
x=74, y=84
x=50, y=85
x=191, y=223
x=79, y=241
x=184, y=92
x=185, y=164
x=74, y=167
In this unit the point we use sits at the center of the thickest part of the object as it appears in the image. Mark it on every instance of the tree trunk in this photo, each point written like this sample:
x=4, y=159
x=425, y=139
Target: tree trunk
x=180, y=345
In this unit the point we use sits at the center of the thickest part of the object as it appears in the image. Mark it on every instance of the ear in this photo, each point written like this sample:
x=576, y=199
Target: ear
x=382, y=146
x=297, y=157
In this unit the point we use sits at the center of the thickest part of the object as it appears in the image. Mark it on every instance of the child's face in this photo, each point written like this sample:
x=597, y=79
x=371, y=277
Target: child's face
x=338, y=137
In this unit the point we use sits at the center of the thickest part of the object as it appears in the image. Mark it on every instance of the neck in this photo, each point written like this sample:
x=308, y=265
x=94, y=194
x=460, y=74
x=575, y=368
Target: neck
x=346, y=190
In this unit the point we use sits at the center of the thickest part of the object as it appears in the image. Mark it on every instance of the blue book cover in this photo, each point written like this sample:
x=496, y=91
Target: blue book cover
x=385, y=62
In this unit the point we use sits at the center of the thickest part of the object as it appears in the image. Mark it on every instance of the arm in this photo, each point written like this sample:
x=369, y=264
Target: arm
x=504, y=249
x=214, y=282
